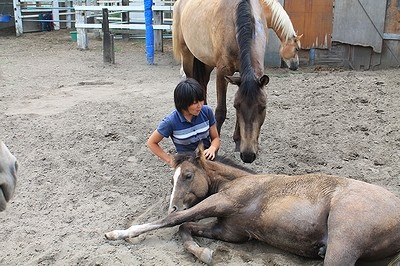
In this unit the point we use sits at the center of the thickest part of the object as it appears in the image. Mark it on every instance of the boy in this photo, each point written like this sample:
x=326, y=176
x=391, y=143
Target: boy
x=190, y=123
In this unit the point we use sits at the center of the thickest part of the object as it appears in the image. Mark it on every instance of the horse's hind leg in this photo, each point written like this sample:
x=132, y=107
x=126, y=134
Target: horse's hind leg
x=201, y=72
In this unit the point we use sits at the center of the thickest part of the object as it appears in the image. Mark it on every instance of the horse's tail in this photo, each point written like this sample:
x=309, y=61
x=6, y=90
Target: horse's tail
x=176, y=32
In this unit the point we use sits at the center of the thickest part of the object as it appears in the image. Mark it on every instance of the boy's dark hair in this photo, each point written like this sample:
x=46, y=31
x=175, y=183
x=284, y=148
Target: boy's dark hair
x=186, y=93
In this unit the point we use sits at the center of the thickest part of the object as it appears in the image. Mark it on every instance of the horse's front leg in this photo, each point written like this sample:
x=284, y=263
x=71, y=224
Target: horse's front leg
x=220, y=110
x=134, y=230
x=236, y=136
x=212, y=206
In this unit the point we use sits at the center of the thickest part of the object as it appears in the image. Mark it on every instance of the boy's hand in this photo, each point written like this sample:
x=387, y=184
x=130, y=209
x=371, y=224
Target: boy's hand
x=210, y=153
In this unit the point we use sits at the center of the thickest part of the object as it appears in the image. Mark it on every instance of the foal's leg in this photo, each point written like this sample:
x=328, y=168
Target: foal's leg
x=212, y=230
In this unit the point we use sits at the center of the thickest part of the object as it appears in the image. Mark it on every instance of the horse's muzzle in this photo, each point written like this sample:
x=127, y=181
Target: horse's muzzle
x=248, y=157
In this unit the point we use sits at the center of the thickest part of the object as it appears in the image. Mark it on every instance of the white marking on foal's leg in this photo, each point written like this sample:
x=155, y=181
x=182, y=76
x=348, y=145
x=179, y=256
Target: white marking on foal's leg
x=175, y=179
x=134, y=230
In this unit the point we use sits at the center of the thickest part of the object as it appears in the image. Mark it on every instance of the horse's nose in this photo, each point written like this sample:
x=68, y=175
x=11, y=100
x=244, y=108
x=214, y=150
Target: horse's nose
x=172, y=209
x=293, y=66
x=247, y=157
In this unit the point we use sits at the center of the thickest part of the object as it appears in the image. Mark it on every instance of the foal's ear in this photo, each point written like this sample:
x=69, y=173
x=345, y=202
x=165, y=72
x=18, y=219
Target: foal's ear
x=200, y=151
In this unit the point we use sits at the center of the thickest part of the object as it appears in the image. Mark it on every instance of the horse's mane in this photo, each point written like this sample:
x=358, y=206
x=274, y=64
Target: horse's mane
x=192, y=158
x=245, y=31
x=280, y=19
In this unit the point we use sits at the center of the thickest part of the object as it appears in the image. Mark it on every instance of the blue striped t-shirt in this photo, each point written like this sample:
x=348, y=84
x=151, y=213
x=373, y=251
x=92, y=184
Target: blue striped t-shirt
x=187, y=135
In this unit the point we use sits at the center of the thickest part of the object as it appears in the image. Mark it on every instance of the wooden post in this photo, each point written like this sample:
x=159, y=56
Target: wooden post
x=125, y=18
x=108, y=40
x=158, y=34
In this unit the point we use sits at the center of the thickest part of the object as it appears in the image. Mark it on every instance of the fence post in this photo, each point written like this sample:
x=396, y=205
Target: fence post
x=82, y=38
x=148, y=18
x=108, y=40
x=158, y=34
x=125, y=18
x=17, y=18
x=55, y=15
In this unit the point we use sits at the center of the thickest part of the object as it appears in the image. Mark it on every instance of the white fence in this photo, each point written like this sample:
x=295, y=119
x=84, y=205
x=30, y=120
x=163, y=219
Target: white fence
x=31, y=15
x=82, y=13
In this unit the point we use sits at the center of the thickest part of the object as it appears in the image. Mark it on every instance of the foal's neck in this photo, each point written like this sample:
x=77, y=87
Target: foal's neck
x=223, y=173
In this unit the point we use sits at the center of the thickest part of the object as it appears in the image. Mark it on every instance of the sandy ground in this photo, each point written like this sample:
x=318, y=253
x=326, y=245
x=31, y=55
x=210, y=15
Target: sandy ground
x=78, y=128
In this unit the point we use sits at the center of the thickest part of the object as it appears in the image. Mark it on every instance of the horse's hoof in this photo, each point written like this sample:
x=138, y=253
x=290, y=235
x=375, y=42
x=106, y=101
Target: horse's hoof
x=206, y=256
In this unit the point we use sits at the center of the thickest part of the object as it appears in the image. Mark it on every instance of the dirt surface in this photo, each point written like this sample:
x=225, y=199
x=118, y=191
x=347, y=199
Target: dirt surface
x=79, y=126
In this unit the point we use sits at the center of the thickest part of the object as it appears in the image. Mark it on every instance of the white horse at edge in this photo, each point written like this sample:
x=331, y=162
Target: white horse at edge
x=8, y=175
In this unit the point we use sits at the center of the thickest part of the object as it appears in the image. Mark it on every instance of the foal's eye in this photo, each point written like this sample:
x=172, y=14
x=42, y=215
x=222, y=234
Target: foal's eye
x=188, y=176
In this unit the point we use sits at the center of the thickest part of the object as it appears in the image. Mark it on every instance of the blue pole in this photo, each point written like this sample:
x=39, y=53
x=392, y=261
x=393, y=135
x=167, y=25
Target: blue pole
x=148, y=17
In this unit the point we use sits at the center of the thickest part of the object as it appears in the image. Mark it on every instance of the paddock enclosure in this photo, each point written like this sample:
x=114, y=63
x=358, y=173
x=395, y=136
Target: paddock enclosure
x=78, y=128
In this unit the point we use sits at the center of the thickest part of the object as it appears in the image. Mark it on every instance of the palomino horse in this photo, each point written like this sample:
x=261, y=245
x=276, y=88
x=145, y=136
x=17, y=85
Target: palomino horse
x=231, y=35
x=279, y=21
x=8, y=175
x=339, y=219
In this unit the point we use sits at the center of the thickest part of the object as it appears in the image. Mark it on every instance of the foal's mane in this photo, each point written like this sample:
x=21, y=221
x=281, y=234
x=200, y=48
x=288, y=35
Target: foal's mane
x=280, y=19
x=193, y=158
x=227, y=161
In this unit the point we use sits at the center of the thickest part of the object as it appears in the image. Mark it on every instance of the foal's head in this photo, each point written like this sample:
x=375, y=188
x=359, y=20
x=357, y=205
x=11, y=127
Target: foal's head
x=190, y=182
x=196, y=178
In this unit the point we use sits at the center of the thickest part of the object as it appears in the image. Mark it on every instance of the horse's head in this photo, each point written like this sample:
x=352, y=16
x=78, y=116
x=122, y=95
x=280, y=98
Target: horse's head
x=190, y=181
x=289, y=52
x=8, y=175
x=250, y=103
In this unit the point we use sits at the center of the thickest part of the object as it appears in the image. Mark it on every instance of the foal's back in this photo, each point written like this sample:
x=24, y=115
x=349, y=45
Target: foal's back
x=311, y=214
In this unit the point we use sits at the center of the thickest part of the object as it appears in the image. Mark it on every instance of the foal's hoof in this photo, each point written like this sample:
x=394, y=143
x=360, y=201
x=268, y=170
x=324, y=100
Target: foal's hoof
x=206, y=256
x=111, y=235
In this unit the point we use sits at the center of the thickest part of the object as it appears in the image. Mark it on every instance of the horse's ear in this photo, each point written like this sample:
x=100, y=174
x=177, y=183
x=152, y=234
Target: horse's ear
x=233, y=79
x=264, y=80
x=299, y=37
